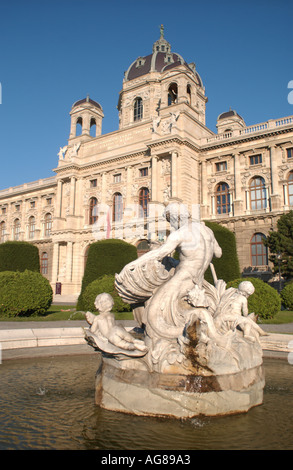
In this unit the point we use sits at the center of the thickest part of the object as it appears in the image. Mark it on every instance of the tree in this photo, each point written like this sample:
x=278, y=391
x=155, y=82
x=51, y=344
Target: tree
x=280, y=244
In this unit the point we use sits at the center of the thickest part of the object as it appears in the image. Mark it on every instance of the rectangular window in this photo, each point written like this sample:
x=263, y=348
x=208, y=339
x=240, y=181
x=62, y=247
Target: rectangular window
x=255, y=159
x=117, y=178
x=93, y=183
x=17, y=207
x=3, y=210
x=143, y=172
x=32, y=204
x=221, y=166
x=49, y=201
x=290, y=153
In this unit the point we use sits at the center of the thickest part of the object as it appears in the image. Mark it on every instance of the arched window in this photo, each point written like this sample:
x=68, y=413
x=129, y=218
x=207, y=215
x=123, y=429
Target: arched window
x=117, y=207
x=290, y=188
x=2, y=232
x=259, y=252
x=78, y=130
x=172, y=94
x=48, y=224
x=143, y=200
x=188, y=91
x=16, y=229
x=93, y=127
x=93, y=210
x=258, y=198
x=44, y=263
x=137, y=109
x=223, y=198
x=31, y=227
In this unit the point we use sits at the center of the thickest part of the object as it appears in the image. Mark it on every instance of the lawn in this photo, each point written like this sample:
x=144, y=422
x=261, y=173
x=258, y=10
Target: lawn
x=284, y=316
x=68, y=312
x=63, y=312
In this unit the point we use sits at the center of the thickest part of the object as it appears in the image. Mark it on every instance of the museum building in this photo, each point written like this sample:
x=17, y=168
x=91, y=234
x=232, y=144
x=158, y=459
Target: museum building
x=115, y=185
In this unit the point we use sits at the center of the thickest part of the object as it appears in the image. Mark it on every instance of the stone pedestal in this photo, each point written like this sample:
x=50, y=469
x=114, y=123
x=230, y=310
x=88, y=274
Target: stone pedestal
x=145, y=393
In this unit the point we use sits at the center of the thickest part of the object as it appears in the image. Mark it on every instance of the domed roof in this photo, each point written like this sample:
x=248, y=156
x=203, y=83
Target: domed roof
x=87, y=100
x=161, y=60
x=228, y=114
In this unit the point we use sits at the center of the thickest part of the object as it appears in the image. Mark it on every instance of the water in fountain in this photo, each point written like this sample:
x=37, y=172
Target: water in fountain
x=48, y=403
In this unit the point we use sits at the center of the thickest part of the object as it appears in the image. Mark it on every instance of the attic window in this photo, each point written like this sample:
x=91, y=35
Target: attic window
x=140, y=62
x=168, y=59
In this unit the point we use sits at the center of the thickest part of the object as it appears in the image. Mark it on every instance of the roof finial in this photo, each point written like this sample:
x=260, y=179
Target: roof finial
x=162, y=31
x=87, y=98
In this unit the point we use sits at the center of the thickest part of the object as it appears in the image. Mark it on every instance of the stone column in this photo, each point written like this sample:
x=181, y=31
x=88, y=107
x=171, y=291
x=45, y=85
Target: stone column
x=55, y=264
x=213, y=205
x=247, y=200
x=59, y=198
x=174, y=178
x=128, y=185
x=72, y=195
x=238, y=203
x=237, y=181
x=275, y=194
x=69, y=253
x=154, y=178
x=104, y=187
x=285, y=190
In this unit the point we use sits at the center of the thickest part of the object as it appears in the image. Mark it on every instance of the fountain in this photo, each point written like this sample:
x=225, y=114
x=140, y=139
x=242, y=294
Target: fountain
x=197, y=350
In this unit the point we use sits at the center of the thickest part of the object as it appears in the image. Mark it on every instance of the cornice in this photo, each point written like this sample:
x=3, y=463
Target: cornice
x=243, y=139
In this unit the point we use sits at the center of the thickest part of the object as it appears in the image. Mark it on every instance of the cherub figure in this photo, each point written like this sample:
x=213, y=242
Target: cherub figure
x=104, y=326
x=236, y=313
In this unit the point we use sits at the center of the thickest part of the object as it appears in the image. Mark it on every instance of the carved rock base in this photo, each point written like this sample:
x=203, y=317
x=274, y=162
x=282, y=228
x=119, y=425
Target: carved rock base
x=146, y=393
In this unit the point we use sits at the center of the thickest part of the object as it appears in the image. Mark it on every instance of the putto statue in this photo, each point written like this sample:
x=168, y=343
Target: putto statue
x=109, y=337
x=192, y=333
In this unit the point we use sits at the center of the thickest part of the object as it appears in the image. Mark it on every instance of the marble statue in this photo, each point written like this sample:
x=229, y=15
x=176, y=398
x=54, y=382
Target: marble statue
x=194, y=337
x=108, y=336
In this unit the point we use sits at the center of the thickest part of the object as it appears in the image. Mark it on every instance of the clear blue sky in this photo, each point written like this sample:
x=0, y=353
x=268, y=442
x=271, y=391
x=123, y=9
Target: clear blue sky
x=53, y=53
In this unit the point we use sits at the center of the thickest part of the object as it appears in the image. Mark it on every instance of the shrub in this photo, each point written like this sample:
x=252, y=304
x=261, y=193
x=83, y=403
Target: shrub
x=265, y=302
x=24, y=293
x=19, y=256
x=287, y=296
x=105, y=257
x=100, y=285
x=226, y=267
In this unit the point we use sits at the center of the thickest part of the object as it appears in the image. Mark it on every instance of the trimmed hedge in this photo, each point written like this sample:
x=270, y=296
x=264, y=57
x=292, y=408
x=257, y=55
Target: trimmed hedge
x=226, y=267
x=24, y=293
x=19, y=256
x=105, y=257
x=100, y=285
x=265, y=302
x=287, y=296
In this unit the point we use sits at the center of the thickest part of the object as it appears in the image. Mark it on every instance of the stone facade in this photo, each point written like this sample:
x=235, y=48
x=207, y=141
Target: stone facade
x=114, y=185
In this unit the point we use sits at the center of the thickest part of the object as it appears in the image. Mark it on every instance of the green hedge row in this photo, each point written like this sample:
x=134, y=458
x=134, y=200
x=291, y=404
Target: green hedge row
x=105, y=257
x=265, y=302
x=226, y=267
x=19, y=256
x=287, y=296
x=24, y=293
x=100, y=285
